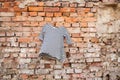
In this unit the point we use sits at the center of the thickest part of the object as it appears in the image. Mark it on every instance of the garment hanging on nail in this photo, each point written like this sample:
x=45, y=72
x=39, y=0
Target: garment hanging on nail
x=53, y=41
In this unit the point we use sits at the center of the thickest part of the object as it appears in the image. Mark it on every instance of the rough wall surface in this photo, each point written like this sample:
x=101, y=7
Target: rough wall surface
x=94, y=29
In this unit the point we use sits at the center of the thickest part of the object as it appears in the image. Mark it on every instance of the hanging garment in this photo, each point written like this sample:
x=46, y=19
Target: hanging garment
x=53, y=41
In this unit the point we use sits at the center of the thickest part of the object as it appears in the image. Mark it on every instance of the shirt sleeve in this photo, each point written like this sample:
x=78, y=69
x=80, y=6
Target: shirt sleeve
x=42, y=33
x=67, y=36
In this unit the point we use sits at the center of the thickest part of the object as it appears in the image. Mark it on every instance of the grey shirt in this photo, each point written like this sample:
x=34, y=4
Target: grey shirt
x=53, y=41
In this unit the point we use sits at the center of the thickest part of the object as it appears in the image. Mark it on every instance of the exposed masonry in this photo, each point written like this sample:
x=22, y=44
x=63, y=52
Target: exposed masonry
x=94, y=28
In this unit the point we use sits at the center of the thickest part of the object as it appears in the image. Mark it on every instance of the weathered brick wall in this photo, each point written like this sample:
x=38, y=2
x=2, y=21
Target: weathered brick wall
x=94, y=29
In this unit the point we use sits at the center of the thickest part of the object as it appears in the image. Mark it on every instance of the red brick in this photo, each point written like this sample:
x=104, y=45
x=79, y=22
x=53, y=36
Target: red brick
x=41, y=77
x=47, y=66
x=83, y=24
x=37, y=18
x=83, y=9
x=90, y=14
x=58, y=19
x=25, y=34
x=96, y=64
x=25, y=13
x=25, y=39
x=13, y=24
x=35, y=8
x=75, y=35
x=72, y=9
x=68, y=19
x=18, y=14
x=67, y=9
x=48, y=19
x=76, y=75
x=7, y=0
x=17, y=2
x=6, y=4
x=66, y=14
x=40, y=24
x=17, y=9
x=27, y=29
x=81, y=13
x=35, y=34
x=67, y=64
x=24, y=76
x=51, y=9
x=2, y=0
x=26, y=23
x=49, y=14
x=71, y=19
x=94, y=40
x=41, y=13
x=77, y=39
x=73, y=14
x=36, y=39
x=57, y=14
x=67, y=24
x=33, y=13
x=11, y=4
x=86, y=39
x=10, y=9
x=5, y=18
x=4, y=9
x=33, y=24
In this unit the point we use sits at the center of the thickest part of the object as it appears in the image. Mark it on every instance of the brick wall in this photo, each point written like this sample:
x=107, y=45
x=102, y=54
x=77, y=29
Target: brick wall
x=95, y=54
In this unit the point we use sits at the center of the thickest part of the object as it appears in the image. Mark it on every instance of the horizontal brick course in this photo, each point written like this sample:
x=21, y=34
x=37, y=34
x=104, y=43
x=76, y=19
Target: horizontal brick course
x=35, y=9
